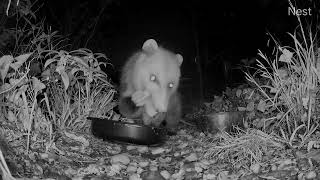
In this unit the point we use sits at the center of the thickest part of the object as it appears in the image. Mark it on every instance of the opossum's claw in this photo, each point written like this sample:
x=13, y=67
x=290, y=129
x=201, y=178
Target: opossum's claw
x=139, y=97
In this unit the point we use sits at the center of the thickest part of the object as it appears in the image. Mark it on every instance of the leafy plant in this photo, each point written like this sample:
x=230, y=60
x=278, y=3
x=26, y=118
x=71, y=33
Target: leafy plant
x=76, y=83
x=65, y=89
x=291, y=83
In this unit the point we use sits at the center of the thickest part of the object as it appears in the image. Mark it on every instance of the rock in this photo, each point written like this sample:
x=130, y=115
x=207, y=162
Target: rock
x=120, y=158
x=185, y=152
x=103, y=169
x=152, y=175
x=203, y=164
x=198, y=169
x=143, y=164
x=179, y=175
x=139, y=170
x=115, y=149
x=134, y=177
x=209, y=177
x=143, y=149
x=285, y=163
x=183, y=145
x=157, y=151
x=130, y=147
x=132, y=169
x=188, y=166
x=44, y=155
x=115, y=169
x=311, y=175
x=192, y=157
x=153, y=168
x=255, y=168
x=165, y=174
x=182, y=132
x=165, y=160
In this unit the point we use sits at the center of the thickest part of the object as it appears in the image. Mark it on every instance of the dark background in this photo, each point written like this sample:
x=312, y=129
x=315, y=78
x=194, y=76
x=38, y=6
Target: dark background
x=217, y=33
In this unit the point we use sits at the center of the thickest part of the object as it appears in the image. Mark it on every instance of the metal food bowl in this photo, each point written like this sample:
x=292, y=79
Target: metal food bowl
x=224, y=121
x=127, y=132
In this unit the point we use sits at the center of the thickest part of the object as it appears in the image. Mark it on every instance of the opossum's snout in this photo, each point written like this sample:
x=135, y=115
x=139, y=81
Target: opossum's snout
x=160, y=101
x=161, y=108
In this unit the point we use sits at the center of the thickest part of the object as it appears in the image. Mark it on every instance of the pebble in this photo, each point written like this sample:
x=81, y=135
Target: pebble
x=192, y=157
x=209, y=176
x=168, y=150
x=255, y=168
x=165, y=174
x=143, y=149
x=131, y=169
x=285, y=163
x=165, y=160
x=134, y=177
x=204, y=164
x=139, y=170
x=179, y=175
x=223, y=175
x=143, y=164
x=157, y=151
x=116, y=168
x=311, y=175
x=103, y=169
x=183, y=145
x=198, y=169
x=44, y=155
x=114, y=150
x=151, y=175
x=184, y=152
x=153, y=168
x=122, y=158
x=130, y=147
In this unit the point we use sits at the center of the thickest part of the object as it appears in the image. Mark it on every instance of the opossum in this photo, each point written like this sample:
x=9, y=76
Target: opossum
x=149, y=86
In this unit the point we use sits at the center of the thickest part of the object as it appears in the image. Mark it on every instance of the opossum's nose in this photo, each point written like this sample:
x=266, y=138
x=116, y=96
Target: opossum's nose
x=162, y=109
x=160, y=101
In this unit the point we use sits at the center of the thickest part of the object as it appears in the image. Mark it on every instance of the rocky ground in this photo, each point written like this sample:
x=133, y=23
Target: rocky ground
x=82, y=156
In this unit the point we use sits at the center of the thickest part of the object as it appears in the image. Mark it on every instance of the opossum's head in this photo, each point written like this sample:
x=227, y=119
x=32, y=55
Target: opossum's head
x=159, y=71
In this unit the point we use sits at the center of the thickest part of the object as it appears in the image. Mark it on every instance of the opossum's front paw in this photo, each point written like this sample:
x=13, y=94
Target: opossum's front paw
x=139, y=97
x=149, y=109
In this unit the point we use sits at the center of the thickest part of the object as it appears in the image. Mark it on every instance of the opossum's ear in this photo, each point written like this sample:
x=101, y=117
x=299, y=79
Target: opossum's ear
x=180, y=59
x=150, y=45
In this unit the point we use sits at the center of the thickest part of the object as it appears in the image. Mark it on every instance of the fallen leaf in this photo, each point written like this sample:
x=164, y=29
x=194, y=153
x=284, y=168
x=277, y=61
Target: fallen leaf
x=261, y=106
x=286, y=56
x=250, y=106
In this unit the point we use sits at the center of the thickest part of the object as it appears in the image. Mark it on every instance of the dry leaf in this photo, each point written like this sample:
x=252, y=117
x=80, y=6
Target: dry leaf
x=305, y=101
x=11, y=116
x=250, y=106
x=238, y=93
x=286, y=56
x=5, y=62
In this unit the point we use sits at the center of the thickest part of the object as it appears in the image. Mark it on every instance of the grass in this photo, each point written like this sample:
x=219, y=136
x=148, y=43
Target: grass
x=241, y=149
x=6, y=174
x=291, y=82
x=288, y=81
x=66, y=88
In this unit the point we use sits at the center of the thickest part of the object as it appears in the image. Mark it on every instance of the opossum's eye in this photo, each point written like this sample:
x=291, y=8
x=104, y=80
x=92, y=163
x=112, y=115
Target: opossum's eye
x=153, y=77
x=170, y=85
